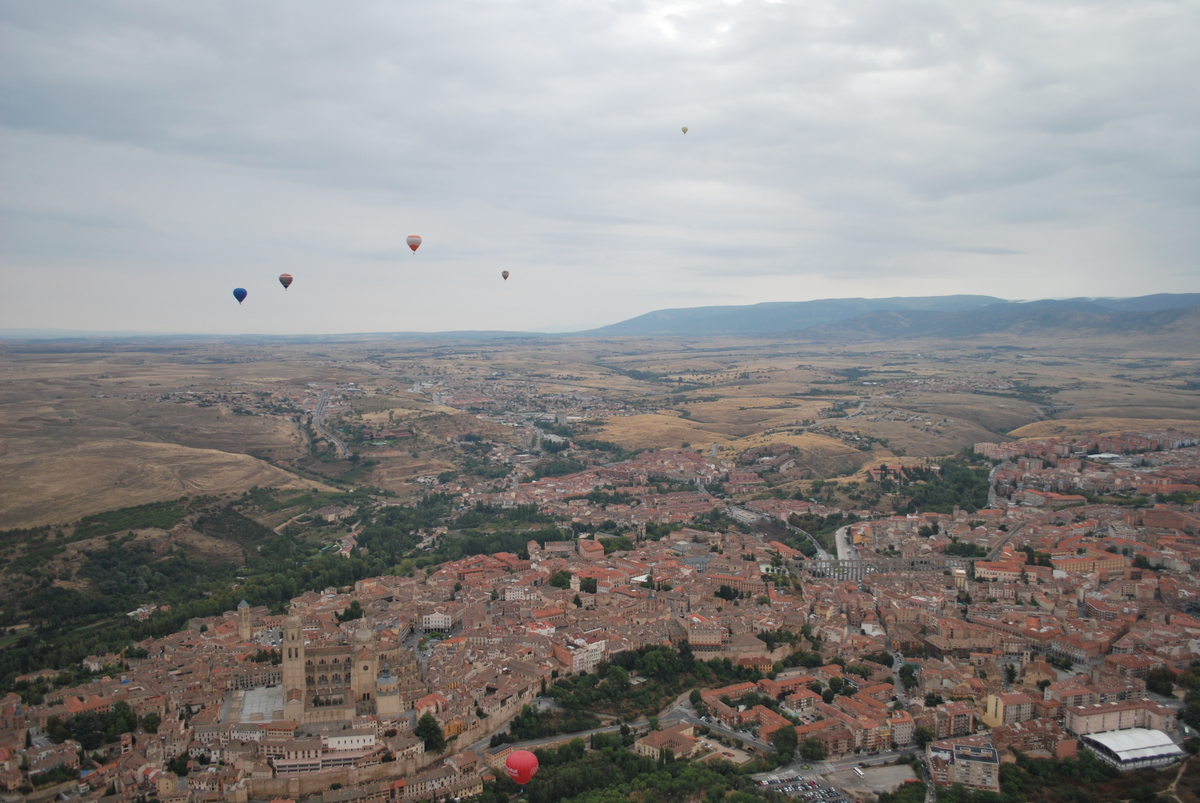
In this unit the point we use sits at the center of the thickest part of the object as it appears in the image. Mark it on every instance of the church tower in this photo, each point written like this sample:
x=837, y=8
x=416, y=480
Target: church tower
x=365, y=668
x=293, y=668
x=245, y=632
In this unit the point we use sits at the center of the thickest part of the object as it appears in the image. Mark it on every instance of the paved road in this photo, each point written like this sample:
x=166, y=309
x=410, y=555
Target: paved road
x=995, y=553
x=821, y=553
x=845, y=550
x=717, y=727
x=225, y=707
x=992, y=486
x=318, y=420
x=532, y=744
x=828, y=767
x=899, y=661
x=680, y=710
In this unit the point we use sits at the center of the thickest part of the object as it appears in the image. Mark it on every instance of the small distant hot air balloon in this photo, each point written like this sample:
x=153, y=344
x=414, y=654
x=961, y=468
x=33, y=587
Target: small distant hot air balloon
x=685, y=129
x=240, y=294
x=286, y=280
x=504, y=273
x=521, y=766
x=414, y=242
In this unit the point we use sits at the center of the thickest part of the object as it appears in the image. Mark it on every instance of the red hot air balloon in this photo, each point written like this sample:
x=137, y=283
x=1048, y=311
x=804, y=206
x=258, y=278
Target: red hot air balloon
x=521, y=766
x=286, y=280
x=504, y=273
x=414, y=242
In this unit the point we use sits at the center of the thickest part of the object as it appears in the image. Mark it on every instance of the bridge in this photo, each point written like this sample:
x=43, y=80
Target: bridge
x=858, y=569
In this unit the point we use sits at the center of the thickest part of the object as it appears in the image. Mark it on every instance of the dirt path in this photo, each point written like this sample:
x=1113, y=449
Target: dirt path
x=1170, y=790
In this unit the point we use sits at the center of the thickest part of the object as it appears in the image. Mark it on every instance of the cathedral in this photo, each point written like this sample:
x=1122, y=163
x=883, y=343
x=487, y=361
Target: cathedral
x=336, y=682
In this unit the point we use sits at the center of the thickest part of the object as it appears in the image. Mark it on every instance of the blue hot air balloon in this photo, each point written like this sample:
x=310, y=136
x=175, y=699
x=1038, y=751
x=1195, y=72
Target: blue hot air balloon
x=240, y=294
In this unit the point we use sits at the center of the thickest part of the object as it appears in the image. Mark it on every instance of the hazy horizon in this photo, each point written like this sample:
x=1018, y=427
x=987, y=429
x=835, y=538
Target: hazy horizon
x=154, y=157
x=33, y=333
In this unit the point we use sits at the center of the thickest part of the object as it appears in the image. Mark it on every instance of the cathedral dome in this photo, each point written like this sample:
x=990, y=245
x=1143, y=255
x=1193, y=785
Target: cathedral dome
x=387, y=681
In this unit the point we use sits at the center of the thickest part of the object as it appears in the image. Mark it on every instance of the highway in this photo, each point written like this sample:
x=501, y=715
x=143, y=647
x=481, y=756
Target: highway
x=318, y=420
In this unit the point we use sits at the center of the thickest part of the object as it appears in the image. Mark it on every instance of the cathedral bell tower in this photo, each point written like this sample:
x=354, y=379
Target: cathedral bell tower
x=245, y=631
x=293, y=668
x=365, y=668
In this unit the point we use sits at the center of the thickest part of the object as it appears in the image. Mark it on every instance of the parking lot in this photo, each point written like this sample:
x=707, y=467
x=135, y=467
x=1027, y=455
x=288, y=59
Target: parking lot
x=875, y=780
x=837, y=787
x=719, y=750
x=801, y=787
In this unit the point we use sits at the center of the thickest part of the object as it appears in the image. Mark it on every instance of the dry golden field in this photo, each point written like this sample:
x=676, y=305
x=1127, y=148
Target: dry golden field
x=1068, y=427
x=659, y=431
x=49, y=482
x=88, y=426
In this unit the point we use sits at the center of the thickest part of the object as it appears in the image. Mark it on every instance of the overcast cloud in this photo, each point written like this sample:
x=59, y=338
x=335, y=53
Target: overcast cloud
x=153, y=156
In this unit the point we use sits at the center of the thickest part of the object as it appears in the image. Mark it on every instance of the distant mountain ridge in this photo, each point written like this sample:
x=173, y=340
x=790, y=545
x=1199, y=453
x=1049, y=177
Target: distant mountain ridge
x=779, y=316
x=923, y=316
x=1062, y=318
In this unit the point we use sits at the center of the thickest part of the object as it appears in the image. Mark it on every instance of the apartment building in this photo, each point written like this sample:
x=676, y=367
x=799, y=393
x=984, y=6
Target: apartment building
x=970, y=760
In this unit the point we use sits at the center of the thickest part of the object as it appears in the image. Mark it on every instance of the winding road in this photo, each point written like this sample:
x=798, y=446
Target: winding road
x=318, y=420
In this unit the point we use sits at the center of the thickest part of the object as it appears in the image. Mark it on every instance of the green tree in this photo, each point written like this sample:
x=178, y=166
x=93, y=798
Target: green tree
x=812, y=749
x=785, y=741
x=923, y=735
x=355, y=611
x=430, y=731
x=179, y=765
x=616, y=680
x=1161, y=681
x=727, y=593
x=561, y=579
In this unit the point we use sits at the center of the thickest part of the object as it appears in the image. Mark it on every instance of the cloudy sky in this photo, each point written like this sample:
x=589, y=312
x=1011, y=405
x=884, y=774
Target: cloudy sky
x=155, y=155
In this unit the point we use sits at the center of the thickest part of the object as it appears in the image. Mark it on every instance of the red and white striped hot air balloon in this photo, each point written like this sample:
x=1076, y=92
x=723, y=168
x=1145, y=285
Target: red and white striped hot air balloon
x=414, y=242
x=286, y=280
